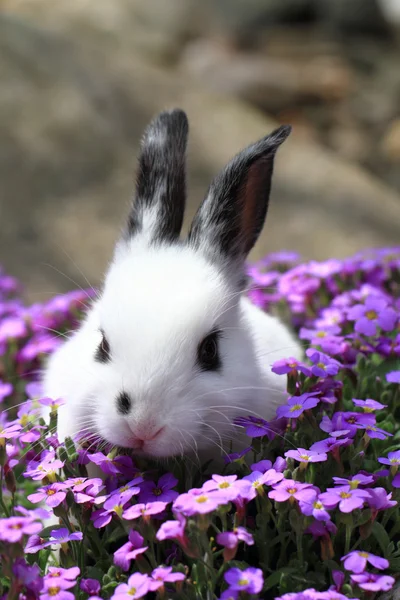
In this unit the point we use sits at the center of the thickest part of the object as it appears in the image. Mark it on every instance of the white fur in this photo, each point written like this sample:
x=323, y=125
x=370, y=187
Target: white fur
x=157, y=305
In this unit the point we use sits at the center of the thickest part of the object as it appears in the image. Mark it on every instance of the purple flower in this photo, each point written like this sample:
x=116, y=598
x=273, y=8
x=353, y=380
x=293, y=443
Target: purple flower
x=137, y=587
x=368, y=405
x=172, y=530
x=279, y=465
x=28, y=575
x=355, y=481
x=255, y=427
x=322, y=364
x=379, y=499
x=229, y=485
x=229, y=594
x=35, y=513
x=129, y=551
x=48, y=467
x=347, y=422
x=9, y=432
x=321, y=529
x=34, y=390
x=393, y=377
x=262, y=466
x=5, y=390
x=330, y=444
x=356, y=561
x=114, y=505
x=348, y=499
x=106, y=463
x=230, y=539
x=199, y=501
x=78, y=484
x=311, y=506
x=161, y=491
x=338, y=578
x=12, y=328
x=288, y=489
x=396, y=481
x=256, y=480
x=13, y=529
x=162, y=575
x=330, y=595
x=52, y=495
x=55, y=589
x=90, y=586
x=36, y=543
x=70, y=574
x=286, y=365
x=306, y=456
x=229, y=458
x=62, y=536
x=376, y=432
x=374, y=313
x=318, y=336
x=296, y=405
x=53, y=403
x=144, y=510
x=372, y=582
x=250, y=580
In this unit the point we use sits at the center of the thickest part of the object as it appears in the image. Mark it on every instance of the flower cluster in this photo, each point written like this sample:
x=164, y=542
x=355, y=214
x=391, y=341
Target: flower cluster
x=315, y=493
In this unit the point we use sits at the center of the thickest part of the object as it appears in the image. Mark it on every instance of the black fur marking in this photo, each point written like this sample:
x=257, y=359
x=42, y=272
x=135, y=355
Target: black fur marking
x=103, y=351
x=233, y=213
x=124, y=403
x=208, y=356
x=161, y=178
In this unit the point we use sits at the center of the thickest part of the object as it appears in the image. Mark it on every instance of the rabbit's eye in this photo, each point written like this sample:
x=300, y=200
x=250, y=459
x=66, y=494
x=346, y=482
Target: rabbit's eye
x=103, y=351
x=208, y=353
x=123, y=403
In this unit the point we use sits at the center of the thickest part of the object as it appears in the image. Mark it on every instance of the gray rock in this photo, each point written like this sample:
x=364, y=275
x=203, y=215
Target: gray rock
x=72, y=110
x=393, y=594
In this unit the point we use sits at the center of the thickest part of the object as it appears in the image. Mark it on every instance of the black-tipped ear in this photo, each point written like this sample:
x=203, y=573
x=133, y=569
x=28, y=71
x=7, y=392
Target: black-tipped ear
x=159, y=202
x=232, y=215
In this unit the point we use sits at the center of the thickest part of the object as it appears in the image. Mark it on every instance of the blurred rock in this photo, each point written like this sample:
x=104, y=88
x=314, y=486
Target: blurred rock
x=72, y=110
x=393, y=594
x=391, y=142
x=246, y=23
x=354, y=16
x=350, y=142
x=270, y=83
x=154, y=28
x=391, y=10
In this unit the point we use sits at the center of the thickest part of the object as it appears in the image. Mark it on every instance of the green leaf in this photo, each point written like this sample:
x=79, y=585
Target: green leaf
x=381, y=536
x=275, y=578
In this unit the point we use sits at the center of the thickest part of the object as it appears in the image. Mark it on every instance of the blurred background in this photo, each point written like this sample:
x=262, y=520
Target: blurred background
x=80, y=79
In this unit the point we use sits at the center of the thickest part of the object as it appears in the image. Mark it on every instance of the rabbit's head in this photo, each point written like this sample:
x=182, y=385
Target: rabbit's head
x=172, y=354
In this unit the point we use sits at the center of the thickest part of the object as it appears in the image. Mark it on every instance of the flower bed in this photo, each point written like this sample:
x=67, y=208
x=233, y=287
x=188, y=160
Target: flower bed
x=311, y=511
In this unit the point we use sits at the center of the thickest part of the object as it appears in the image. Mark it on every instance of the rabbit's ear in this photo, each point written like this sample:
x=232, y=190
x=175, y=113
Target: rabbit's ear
x=159, y=203
x=231, y=217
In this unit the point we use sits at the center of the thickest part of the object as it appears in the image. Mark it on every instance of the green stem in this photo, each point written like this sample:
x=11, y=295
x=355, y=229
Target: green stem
x=349, y=530
x=299, y=543
x=2, y=503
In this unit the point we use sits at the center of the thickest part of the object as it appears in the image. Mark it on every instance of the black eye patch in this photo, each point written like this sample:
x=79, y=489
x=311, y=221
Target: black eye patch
x=124, y=403
x=208, y=356
x=103, y=351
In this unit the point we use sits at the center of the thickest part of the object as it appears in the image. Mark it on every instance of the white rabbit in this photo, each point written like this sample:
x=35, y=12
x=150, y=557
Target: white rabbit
x=172, y=350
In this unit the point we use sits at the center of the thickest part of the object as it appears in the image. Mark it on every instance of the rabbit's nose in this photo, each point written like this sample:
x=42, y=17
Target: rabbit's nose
x=147, y=432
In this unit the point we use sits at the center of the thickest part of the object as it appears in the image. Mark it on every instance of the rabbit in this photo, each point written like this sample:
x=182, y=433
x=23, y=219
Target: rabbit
x=172, y=351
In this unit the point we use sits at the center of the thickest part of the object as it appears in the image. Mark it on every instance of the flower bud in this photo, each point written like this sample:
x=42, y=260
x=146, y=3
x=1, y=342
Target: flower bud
x=62, y=453
x=10, y=479
x=71, y=449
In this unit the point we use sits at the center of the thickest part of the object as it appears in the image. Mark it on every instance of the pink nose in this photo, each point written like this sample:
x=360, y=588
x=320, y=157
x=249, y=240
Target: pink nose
x=147, y=433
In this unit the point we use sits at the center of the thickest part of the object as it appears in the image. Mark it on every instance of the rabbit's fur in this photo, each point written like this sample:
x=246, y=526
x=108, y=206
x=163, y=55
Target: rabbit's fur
x=172, y=350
